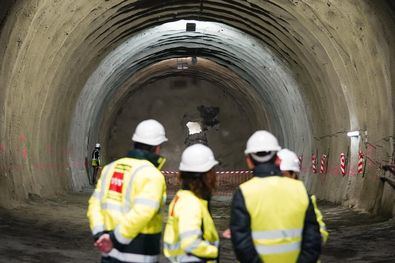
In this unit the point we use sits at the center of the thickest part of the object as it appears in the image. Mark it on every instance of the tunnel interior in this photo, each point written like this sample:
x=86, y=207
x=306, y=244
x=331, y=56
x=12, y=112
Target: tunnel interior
x=176, y=98
x=74, y=73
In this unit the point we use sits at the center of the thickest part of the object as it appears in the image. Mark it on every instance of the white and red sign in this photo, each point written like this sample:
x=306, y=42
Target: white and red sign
x=324, y=158
x=343, y=164
x=360, y=162
x=314, y=163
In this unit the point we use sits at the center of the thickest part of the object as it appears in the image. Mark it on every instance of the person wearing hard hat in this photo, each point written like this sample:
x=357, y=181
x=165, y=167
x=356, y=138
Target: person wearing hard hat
x=125, y=210
x=95, y=163
x=190, y=234
x=290, y=167
x=272, y=217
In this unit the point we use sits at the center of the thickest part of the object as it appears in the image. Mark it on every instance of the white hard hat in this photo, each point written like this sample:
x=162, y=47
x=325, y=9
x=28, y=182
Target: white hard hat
x=262, y=141
x=150, y=132
x=197, y=158
x=97, y=145
x=289, y=161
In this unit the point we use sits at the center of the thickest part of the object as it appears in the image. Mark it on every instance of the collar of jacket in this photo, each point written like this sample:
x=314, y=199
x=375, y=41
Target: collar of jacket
x=266, y=169
x=145, y=155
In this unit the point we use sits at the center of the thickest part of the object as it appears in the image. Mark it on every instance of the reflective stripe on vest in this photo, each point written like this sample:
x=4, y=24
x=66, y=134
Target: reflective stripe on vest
x=147, y=202
x=190, y=233
x=121, y=239
x=195, y=244
x=185, y=258
x=130, y=257
x=97, y=229
x=274, y=234
x=112, y=207
x=128, y=203
x=277, y=249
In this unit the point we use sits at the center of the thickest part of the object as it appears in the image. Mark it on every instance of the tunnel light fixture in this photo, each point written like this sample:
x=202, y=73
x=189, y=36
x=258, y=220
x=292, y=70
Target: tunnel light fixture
x=182, y=63
x=191, y=27
x=353, y=134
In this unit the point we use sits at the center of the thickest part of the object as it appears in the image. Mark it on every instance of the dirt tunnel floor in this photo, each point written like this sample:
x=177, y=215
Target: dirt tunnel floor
x=57, y=231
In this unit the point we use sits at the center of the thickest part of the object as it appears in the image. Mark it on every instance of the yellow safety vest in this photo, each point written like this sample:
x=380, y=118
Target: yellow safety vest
x=277, y=206
x=190, y=233
x=128, y=200
x=320, y=219
x=95, y=162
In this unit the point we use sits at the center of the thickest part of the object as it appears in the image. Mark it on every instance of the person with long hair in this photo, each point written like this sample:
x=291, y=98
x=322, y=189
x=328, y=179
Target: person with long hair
x=190, y=233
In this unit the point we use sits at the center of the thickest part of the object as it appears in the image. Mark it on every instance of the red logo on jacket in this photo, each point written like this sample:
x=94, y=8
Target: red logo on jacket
x=116, y=183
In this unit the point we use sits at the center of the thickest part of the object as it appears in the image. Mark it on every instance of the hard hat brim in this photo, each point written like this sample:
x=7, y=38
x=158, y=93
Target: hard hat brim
x=262, y=149
x=201, y=168
x=155, y=142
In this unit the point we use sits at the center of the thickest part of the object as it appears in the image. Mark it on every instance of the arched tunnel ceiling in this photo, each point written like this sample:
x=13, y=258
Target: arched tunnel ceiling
x=270, y=80
x=337, y=52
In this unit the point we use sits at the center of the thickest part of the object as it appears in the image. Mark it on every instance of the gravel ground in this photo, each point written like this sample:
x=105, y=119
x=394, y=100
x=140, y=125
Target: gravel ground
x=57, y=231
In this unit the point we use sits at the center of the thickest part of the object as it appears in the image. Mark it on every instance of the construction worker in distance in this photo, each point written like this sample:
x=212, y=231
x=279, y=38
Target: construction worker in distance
x=272, y=217
x=95, y=163
x=290, y=167
x=190, y=234
x=125, y=210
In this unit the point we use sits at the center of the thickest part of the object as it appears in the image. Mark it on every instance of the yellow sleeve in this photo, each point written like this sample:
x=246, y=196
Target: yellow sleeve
x=190, y=230
x=95, y=215
x=150, y=186
x=320, y=220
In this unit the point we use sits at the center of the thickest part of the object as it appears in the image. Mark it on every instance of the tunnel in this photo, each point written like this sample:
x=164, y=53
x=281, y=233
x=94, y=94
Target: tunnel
x=75, y=73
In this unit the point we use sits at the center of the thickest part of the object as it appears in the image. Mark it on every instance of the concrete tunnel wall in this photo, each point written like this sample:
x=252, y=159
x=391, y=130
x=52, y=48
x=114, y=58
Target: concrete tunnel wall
x=338, y=53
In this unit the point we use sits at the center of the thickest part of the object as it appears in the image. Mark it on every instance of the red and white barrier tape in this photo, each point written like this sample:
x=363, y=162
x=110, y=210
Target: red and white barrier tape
x=169, y=172
x=217, y=172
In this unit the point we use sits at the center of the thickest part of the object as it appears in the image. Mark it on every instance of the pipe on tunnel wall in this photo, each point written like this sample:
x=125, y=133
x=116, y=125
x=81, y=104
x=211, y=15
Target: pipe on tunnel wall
x=339, y=52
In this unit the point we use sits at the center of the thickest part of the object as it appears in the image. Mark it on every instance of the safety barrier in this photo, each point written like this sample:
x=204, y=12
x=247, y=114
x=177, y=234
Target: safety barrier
x=227, y=181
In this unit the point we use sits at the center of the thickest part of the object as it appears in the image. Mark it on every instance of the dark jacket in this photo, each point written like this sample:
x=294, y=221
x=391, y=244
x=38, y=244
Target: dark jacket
x=240, y=222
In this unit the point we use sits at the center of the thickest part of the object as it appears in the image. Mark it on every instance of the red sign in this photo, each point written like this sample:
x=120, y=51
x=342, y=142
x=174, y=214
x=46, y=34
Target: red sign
x=116, y=182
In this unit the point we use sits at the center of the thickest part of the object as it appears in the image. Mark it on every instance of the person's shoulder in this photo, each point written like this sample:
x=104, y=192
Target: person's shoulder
x=148, y=169
x=300, y=184
x=249, y=184
x=187, y=198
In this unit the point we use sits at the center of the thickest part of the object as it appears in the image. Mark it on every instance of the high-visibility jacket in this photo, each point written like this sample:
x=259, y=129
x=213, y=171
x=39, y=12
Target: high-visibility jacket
x=127, y=203
x=190, y=234
x=320, y=219
x=273, y=220
x=96, y=158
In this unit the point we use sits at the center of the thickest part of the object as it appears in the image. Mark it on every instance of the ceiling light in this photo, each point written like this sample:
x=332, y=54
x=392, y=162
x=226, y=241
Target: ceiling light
x=353, y=134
